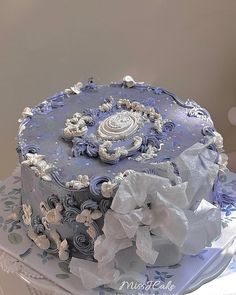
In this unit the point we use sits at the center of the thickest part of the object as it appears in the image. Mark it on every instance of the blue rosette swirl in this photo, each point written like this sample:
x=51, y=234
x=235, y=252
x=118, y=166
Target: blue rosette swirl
x=149, y=140
x=168, y=126
x=88, y=204
x=93, y=113
x=211, y=146
x=105, y=205
x=82, y=241
x=208, y=131
x=71, y=209
x=69, y=201
x=92, y=149
x=79, y=147
x=83, y=146
x=52, y=201
x=95, y=187
x=37, y=225
x=70, y=213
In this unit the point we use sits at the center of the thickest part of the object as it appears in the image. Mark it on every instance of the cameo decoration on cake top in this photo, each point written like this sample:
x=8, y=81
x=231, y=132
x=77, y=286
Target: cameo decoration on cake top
x=119, y=128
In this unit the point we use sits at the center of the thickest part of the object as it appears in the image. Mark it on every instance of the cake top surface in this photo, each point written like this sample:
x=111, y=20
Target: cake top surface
x=102, y=130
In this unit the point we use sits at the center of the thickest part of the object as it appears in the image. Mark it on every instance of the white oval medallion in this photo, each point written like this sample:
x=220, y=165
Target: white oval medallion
x=119, y=126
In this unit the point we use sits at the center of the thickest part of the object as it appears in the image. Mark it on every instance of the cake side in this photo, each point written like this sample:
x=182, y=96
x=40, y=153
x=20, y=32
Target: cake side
x=78, y=147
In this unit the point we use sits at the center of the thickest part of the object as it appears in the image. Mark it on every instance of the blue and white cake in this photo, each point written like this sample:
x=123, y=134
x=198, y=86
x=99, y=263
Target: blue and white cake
x=125, y=169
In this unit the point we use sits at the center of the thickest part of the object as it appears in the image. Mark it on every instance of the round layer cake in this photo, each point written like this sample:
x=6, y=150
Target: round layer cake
x=78, y=145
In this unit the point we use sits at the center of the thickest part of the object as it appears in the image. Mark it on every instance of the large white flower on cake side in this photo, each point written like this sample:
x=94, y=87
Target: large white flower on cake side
x=157, y=218
x=149, y=210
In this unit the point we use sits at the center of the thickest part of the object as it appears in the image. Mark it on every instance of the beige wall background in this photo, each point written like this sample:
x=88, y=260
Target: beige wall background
x=186, y=46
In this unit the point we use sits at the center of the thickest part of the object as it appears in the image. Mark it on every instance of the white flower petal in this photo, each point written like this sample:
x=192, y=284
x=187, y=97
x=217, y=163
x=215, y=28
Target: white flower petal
x=144, y=245
x=105, y=249
x=91, y=275
x=96, y=214
x=134, y=189
x=130, y=222
x=112, y=226
x=175, y=224
x=204, y=227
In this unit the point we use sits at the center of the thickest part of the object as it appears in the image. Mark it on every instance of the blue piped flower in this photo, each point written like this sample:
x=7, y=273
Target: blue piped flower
x=228, y=209
x=162, y=276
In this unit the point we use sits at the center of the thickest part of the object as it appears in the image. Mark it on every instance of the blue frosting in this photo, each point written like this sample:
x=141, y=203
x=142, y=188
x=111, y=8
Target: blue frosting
x=95, y=186
x=104, y=205
x=84, y=146
x=149, y=140
x=37, y=225
x=89, y=204
x=52, y=201
x=82, y=241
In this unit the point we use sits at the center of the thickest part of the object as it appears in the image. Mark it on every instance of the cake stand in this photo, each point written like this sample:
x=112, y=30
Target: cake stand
x=40, y=285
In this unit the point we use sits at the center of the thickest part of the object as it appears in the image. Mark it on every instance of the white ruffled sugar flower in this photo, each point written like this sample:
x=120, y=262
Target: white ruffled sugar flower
x=219, y=141
x=146, y=206
x=40, y=240
x=27, y=113
x=51, y=216
x=62, y=245
x=88, y=216
x=76, y=89
x=33, y=159
x=82, y=181
x=91, y=231
x=107, y=189
x=27, y=213
x=129, y=81
x=39, y=166
x=151, y=217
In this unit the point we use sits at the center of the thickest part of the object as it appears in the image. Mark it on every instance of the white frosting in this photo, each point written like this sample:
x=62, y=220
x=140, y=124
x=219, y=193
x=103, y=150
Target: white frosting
x=76, y=126
x=137, y=141
x=158, y=126
x=129, y=81
x=21, y=128
x=76, y=89
x=62, y=246
x=92, y=232
x=219, y=141
x=150, y=153
x=81, y=182
x=119, y=126
x=106, y=156
x=87, y=217
x=39, y=166
x=107, y=105
x=107, y=188
x=51, y=216
x=27, y=113
x=147, y=113
x=27, y=213
x=40, y=240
